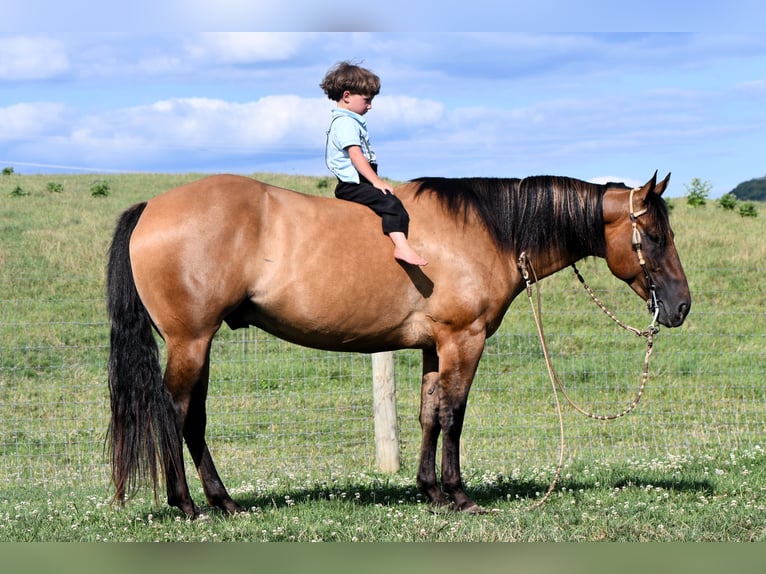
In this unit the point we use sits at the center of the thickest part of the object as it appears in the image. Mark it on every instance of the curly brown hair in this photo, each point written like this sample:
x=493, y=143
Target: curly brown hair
x=349, y=76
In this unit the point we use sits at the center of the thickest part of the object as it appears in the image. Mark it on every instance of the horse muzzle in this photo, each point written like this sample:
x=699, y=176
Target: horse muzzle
x=672, y=314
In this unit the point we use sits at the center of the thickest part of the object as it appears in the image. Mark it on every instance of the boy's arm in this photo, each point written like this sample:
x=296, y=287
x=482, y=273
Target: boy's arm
x=365, y=170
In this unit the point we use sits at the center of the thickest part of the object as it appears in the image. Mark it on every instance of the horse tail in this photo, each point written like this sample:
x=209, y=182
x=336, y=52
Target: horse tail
x=142, y=429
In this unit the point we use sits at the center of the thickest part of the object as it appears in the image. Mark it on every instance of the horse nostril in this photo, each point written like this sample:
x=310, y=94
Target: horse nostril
x=683, y=309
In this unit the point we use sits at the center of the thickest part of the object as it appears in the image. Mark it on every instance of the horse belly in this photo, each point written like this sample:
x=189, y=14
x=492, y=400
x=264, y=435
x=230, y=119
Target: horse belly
x=317, y=296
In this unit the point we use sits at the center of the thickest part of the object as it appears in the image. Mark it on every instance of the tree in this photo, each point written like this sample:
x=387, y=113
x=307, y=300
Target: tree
x=698, y=192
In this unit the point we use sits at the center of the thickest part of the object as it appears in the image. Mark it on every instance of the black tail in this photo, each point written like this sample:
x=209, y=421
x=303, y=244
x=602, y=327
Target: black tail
x=142, y=429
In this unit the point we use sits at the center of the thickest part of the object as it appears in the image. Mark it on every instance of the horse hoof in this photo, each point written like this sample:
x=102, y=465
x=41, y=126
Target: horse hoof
x=439, y=504
x=192, y=512
x=232, y=508
x=473, y=508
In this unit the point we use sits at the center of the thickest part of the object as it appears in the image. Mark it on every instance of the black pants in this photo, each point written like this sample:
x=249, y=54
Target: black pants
x=386, y=205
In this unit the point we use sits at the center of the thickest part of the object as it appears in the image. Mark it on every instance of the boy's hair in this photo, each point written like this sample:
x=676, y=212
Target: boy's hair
x=348, y=76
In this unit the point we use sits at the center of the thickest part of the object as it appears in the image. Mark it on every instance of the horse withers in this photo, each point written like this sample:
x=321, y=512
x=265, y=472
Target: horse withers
x=318, y=272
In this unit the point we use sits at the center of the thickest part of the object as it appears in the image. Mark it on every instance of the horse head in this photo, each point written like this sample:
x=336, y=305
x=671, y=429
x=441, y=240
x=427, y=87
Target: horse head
x=640, y=249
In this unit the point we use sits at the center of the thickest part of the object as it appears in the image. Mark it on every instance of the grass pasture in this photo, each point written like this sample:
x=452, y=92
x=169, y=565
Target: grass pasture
x=688, y=464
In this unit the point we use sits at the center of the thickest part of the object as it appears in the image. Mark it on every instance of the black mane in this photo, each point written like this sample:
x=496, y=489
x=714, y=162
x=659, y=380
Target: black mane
x=534, y=214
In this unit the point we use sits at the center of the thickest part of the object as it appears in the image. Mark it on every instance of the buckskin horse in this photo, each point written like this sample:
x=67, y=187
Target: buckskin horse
x=318, y=272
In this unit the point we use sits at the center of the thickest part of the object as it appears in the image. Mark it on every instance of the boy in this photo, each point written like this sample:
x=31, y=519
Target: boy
x=349, y=156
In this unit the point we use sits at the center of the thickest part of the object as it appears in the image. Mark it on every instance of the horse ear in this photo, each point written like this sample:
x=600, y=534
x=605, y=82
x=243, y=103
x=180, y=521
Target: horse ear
x=660, y=188
x=642, y=192
x=652, y=182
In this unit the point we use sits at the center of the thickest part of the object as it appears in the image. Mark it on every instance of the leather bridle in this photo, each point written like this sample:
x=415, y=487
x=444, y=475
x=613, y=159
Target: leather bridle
x=651, y=303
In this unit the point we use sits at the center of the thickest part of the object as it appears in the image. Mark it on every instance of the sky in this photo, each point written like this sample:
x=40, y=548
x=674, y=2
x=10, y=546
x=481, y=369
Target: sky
x=597, y=106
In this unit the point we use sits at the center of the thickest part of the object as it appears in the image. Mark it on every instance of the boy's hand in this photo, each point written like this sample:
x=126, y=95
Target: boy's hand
x=365, y=169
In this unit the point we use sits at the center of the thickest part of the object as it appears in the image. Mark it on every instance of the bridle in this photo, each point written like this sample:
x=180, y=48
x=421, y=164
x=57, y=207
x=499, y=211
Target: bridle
x=530, y=277
x=651, y=303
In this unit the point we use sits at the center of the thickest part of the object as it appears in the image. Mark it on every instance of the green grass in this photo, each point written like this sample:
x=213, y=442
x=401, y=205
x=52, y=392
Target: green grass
x=291, y=428
x=672, y=499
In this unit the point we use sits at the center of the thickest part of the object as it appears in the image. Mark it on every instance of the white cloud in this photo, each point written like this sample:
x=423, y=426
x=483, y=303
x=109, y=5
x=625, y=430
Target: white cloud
x=159, y=65
x=399, y=116
x=279, y=123
x=285, y=123
x=31, y=58
x=244, y=47
x=404, y=112
x=753, y=88
x=30, y=120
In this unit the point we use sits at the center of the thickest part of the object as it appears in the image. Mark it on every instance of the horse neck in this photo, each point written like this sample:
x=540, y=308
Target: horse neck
x=573, y=230
x=545, y=264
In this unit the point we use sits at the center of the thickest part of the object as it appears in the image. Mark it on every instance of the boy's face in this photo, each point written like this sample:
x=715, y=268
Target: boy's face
x=357, y=103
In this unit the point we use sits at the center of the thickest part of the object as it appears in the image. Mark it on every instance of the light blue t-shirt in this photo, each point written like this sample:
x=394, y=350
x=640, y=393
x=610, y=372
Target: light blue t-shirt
x=346, y=129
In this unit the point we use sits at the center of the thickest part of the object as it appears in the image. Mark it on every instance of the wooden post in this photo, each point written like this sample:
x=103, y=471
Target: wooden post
x=384, y=404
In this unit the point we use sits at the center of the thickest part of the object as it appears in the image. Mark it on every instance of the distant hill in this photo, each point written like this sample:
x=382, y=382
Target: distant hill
x=754, y=189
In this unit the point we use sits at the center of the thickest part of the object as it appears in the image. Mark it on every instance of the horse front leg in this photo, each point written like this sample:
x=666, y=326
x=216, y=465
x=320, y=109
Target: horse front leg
x=458, y=361
x=430, y=428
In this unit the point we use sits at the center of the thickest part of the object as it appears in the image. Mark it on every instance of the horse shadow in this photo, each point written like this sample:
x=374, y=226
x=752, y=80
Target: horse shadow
x=487, y=495
x=420, y=280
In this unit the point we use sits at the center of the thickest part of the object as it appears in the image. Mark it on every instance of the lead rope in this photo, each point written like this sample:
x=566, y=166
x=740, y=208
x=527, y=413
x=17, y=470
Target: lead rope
x=528, y=272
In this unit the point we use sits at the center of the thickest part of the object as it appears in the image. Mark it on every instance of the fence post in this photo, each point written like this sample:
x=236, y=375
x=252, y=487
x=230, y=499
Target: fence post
x=384, y=404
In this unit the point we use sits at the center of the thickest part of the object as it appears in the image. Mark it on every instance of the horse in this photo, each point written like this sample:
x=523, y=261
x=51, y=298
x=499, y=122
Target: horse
x=318, y=272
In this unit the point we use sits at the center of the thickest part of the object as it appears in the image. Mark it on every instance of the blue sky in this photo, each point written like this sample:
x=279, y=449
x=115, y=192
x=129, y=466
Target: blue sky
x=596, y=106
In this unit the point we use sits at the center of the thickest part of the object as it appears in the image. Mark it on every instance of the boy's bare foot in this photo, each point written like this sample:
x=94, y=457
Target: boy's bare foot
x=403, y=251
x=409, y=256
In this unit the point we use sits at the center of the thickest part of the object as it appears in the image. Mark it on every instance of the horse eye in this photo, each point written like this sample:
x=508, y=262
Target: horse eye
x=657, y=240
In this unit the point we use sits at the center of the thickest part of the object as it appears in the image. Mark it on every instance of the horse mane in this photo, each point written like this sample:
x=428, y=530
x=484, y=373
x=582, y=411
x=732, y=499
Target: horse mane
x=534, y=214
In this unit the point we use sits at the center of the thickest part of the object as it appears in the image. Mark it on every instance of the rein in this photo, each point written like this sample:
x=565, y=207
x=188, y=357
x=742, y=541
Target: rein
x=528, y=272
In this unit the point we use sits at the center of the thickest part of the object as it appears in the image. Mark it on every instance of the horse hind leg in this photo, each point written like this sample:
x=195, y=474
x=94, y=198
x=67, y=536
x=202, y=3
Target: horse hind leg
x=184, y=364
x=194, y=434
x=186, y=378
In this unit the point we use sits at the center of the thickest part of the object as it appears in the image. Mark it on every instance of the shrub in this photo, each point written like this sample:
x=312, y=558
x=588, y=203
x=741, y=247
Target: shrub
x=7, y=171
x=698, y=192
x=55, y=187
x=323, y=183
x=100, y=189
x=18, y=191
x=748, y=210
x=728, y=201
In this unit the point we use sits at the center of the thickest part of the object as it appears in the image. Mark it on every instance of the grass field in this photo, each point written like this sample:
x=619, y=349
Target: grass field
x=687, y=465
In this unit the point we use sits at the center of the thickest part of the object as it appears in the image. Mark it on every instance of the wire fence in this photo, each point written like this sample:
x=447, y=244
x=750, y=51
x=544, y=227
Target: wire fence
x=277, y=408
